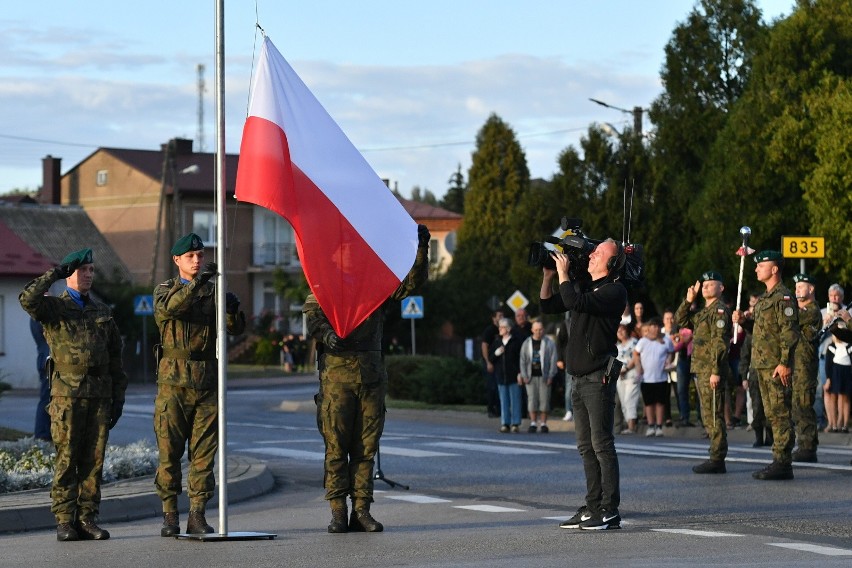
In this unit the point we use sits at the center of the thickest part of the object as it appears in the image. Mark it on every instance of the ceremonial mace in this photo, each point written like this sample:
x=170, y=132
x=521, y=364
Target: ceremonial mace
x=745, y=232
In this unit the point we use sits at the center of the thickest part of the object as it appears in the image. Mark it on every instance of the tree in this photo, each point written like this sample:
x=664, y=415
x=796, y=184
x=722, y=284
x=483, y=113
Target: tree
x=423, y=196
x=453, y=200
x=497, y=179
x=708, y=62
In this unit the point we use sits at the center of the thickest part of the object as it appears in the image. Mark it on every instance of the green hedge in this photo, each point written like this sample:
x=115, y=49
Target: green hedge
x=435, y=380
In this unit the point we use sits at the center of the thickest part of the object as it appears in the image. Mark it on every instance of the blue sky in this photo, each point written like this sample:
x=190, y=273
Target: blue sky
x=410, y=83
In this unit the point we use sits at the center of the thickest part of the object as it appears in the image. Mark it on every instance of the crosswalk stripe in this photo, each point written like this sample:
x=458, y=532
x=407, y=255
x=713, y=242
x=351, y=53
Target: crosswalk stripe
x=824, y=550
x=489, y=508
x=712, y=534
x=286, y=453
x=490, y=449
x=420, y=499
x=411, y=452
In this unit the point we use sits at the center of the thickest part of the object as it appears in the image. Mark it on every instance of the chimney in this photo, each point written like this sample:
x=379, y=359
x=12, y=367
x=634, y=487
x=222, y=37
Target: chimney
x=51, y=177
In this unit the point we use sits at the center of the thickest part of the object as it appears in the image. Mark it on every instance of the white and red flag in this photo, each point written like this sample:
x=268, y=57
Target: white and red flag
x=355, y=240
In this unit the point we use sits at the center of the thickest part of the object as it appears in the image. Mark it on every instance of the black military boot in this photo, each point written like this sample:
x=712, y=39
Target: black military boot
x=774, y=471
x=758, y=438
x=171, y=524
x=88, y=530
x=66, y=532
x=808, y=456
x=710, y=466
x=769, y=439
x=362, y=521
x=338, y=516
x=197, y=524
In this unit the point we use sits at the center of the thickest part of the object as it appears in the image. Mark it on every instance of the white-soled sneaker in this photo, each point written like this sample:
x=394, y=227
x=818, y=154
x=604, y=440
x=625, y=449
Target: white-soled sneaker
x=579, y=517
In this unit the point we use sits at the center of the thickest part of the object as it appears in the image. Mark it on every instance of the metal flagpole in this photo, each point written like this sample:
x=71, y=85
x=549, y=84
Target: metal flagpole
x=221, y=290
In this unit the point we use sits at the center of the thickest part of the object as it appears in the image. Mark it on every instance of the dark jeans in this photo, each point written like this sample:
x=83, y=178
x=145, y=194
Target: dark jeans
x=683, y=380
x=42, y=418
x=594, y=405
x=492, y=398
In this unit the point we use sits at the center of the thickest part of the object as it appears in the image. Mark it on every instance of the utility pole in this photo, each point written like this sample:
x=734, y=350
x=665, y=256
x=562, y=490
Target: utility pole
x=636, y=112
x=200, y=134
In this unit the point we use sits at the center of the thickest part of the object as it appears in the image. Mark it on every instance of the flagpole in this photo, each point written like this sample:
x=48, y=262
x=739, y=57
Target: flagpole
x=745, y=233
x=221, y=290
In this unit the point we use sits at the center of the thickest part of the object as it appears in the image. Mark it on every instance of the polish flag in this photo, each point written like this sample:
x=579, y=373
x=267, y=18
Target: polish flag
x=355, y=240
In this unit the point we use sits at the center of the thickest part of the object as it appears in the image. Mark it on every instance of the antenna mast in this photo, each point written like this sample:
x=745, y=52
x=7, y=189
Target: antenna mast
x=200, y=134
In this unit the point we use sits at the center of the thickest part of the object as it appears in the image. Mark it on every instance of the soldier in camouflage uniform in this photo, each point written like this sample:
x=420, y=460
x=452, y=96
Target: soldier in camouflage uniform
x=805, y=371
x=711, y=337
x=87, y=389
x=186, y=406
x=775, y=332
x=351, y=400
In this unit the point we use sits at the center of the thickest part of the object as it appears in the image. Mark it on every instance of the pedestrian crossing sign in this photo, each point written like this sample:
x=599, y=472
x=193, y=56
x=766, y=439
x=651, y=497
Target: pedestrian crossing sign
x=412, y=307
x=143, y=305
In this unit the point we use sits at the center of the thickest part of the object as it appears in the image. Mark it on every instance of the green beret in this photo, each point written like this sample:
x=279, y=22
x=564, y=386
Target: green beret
x=711, y=275
x=765, y=255
x=802, y=277
x=187, y=243
x=83, y=256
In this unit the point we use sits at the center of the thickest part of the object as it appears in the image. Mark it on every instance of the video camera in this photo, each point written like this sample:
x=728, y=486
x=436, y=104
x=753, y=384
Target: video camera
x=628, y=265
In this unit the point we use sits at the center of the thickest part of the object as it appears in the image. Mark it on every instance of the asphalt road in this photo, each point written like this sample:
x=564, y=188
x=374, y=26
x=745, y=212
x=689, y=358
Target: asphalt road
x=479, y=498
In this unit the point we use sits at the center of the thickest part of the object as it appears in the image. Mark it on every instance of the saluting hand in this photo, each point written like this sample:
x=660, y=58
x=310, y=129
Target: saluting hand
x=692, y=291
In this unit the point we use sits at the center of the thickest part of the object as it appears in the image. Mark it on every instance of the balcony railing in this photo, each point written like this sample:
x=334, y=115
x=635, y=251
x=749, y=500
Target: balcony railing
x=275, y=254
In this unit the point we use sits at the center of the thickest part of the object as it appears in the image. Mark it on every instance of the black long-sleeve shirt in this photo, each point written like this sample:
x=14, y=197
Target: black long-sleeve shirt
x=596, y=312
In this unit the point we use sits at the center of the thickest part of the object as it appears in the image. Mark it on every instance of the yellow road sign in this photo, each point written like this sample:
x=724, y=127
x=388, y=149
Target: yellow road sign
x=803, y=247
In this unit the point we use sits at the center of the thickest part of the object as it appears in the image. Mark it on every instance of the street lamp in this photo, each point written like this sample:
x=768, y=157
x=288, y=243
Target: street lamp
x=636, y=112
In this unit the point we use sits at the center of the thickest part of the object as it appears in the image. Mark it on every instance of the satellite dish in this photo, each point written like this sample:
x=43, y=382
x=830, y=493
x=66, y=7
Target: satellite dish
x=450, y=242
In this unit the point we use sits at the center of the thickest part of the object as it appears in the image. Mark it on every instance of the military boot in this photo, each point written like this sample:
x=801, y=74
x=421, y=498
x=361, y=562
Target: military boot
x=774, y=471
x=338, y=516
x=88, y=530
x=197, y=524
x=710, y=466
x=808, y=456
x=66, y=532
x=362, y=521
x=758, y=438
x=171, y=524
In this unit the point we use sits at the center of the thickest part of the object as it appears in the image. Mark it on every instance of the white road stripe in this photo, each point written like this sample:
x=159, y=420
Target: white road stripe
x=824, y=550
x=411, y=453
x=489, y=508
x=287, y=453
x=421, y=499
x=490, y=449
x=712, y=534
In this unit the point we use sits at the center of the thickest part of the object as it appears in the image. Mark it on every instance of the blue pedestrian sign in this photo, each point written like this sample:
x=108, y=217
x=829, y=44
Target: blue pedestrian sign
x=143, y=305
x=412, y=307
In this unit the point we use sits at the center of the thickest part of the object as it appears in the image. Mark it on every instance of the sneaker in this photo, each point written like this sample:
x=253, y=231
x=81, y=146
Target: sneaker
x=515, y=429
x=658, y=432
x=774, y=471
x=569, y=416
x=544, y=429
x=580, y=516
x=710, y=466
x=607, y=520
x=532, y=429
x=504, y=428
x=650, y=431
x=627, y=431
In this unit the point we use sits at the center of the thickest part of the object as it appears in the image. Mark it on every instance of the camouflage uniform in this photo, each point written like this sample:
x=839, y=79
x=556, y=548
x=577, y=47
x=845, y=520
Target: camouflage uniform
x=805, y=377
x=186, y=406
x=351, y=399
x=712, y=332
x=87, y=381
x=774, y=337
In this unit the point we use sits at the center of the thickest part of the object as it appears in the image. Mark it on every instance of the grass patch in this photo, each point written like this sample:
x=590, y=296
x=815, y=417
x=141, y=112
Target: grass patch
x=241, y=371
x=11, y=435
x=417, y=405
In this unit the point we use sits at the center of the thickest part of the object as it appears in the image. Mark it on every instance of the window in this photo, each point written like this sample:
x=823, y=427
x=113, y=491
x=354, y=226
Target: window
x=101, y=177
x=204, y=225
x=274, y=240
x=433, y=251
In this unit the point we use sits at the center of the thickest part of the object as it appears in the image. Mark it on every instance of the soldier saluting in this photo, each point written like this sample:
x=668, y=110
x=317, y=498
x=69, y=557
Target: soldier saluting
x=775, y=332
x=87, y=389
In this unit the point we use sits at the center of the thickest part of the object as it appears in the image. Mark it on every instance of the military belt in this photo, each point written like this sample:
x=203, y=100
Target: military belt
x=175, y=353
x=81, y=369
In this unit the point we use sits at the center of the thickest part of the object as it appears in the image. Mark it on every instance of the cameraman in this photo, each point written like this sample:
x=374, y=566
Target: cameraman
x=596, y=308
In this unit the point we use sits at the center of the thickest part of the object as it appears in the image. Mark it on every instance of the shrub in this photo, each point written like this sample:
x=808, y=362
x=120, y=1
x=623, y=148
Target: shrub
x=265, y=353
x=434, y=380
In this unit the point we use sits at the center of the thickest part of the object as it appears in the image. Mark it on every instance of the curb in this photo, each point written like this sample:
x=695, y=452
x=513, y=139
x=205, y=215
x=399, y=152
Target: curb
x=132, y=499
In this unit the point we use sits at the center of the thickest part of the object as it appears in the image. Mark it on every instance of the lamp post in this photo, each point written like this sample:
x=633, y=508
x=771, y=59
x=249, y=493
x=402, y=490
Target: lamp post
x=636, y=112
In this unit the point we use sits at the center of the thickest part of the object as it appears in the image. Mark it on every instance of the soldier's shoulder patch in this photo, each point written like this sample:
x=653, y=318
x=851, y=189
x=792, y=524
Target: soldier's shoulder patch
x=788, y=311
x=720, y=310
x=787, y=298
x=720, y=323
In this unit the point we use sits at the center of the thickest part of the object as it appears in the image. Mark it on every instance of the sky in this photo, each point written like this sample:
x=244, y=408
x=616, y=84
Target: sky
x=410, y=83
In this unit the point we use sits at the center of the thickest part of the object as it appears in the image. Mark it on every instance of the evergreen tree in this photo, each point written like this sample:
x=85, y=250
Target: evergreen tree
x=454, y=198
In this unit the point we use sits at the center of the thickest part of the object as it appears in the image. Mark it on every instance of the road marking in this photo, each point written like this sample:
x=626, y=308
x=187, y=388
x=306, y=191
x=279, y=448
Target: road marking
x=286, y=453
x=140, y=408
x=824, y=550
x=412, y=453
x=489, y=508
x=421, y=499
x=490, y=449
x=712, y=534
